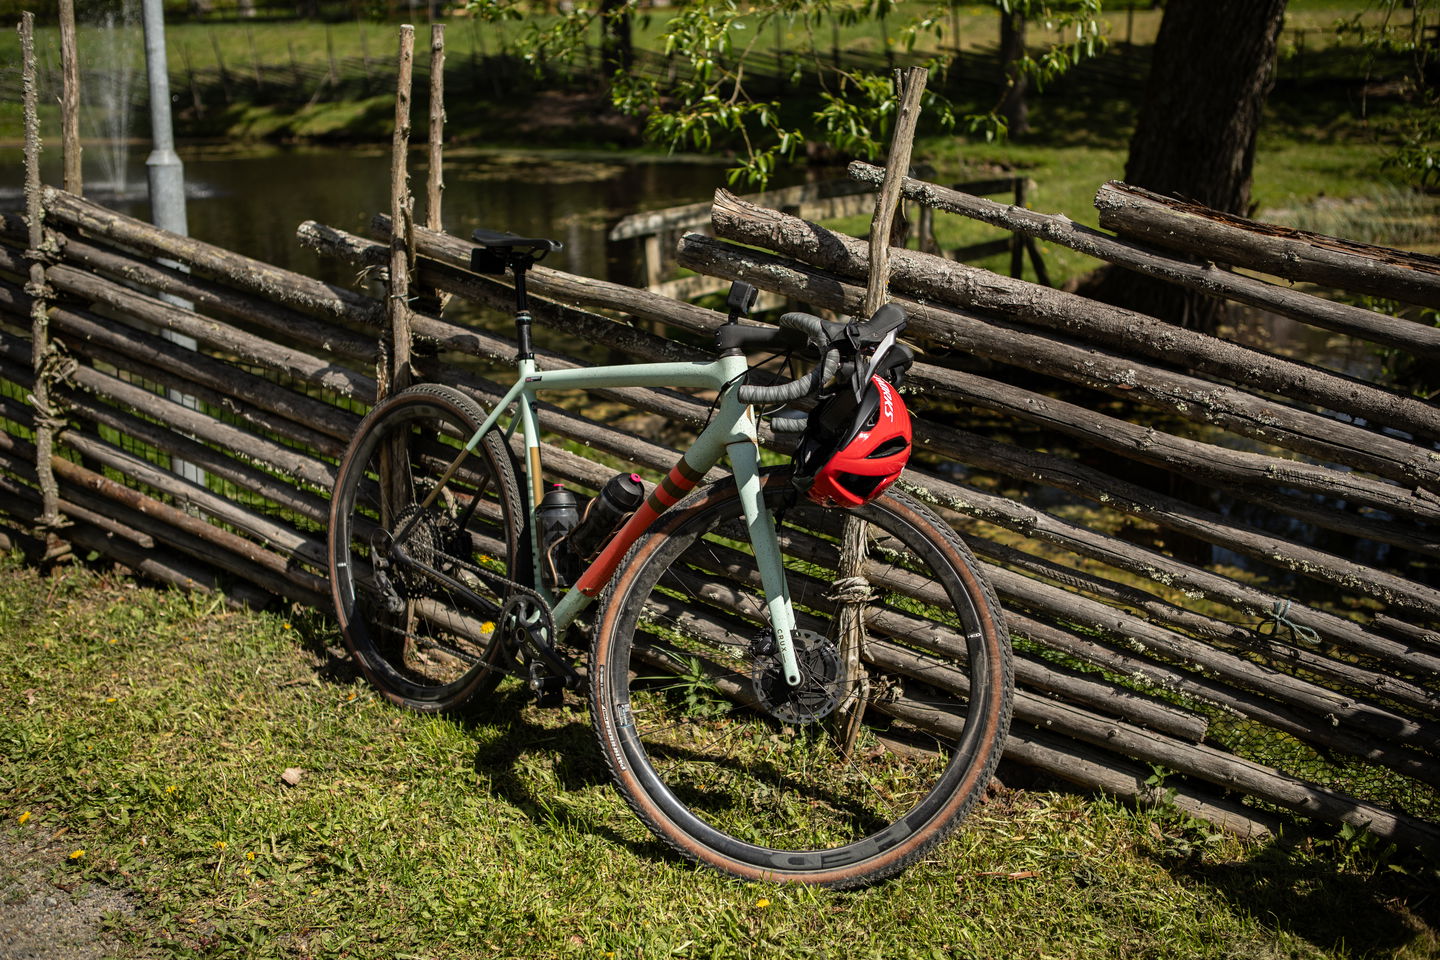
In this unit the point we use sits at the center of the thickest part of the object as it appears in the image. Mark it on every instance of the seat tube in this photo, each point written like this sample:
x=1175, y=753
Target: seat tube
x=760, y=525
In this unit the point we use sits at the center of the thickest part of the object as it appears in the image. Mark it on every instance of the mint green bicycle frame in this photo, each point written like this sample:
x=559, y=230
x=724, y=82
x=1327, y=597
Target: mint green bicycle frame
x=731, y=432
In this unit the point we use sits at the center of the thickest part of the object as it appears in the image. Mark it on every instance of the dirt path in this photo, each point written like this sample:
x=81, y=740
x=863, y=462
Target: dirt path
x=41, y=919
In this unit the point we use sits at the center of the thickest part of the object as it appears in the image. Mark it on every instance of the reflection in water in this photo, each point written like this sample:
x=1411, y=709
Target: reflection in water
x=251, y=201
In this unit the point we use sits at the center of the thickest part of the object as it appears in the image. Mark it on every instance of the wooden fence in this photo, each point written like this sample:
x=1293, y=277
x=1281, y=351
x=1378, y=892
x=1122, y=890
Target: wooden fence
x=1218, y=562
x=658, y=230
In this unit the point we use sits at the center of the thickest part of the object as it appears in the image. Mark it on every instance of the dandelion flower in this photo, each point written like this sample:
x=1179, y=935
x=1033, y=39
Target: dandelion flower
x=488, y=626
x=250, y=855
x=25, y=816
x=287, y=626
x=171, y=789
x=221, y=844
x=762, y=903
x=111, y=699
x=76, y=854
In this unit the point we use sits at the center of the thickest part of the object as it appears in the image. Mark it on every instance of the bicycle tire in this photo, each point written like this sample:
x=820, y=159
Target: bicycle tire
x=761, y=788
x=418, y=640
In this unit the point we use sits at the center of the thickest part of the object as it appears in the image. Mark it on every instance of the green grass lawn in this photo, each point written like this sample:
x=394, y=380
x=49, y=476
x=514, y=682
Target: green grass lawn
x=148, y=733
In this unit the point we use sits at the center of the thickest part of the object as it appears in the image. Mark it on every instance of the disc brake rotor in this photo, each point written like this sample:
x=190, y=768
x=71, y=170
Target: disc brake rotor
x=822, y=678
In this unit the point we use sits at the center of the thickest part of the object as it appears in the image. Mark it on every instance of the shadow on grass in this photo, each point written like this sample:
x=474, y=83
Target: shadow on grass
x=520, y=735
x=1365, y=910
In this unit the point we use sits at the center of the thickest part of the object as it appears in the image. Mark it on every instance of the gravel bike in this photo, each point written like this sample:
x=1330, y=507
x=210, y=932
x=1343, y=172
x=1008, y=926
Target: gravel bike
x=780, y=691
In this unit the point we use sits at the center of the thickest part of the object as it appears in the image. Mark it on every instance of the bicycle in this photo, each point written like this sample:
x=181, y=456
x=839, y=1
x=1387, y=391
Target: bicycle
x=754, y=716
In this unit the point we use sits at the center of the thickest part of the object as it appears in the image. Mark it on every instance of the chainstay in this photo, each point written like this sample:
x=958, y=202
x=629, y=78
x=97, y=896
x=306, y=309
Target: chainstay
x=491, y=578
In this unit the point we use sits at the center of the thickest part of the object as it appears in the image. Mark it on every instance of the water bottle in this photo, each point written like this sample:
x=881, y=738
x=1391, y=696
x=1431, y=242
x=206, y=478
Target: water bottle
x=620, y=497
x=557, y=515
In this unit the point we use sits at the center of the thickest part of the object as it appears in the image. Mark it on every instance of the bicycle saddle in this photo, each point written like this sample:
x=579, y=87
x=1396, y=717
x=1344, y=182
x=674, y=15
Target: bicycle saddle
x=496, y=240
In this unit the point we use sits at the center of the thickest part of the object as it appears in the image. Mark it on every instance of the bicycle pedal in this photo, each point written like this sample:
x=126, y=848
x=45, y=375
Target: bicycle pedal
x=547, y=689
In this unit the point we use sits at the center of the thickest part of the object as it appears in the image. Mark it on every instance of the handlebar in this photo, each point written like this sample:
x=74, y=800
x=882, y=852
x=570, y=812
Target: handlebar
x=833, y=342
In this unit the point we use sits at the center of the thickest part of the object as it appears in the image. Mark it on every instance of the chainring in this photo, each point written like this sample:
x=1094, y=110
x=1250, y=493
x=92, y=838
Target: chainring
x=822, y=678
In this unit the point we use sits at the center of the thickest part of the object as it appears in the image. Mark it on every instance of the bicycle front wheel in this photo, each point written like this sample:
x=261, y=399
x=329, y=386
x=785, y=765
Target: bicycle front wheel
x=890, y=738
x=419, y=588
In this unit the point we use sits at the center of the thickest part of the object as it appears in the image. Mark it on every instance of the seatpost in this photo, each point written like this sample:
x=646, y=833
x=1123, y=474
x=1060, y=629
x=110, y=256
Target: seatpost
x=522, y=308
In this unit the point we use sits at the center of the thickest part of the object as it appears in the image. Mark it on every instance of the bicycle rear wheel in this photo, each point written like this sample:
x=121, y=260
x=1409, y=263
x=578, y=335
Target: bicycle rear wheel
x=855, y=774
x=418, y=590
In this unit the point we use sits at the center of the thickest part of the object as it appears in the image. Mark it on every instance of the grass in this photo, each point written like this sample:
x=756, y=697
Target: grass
x=153, y=731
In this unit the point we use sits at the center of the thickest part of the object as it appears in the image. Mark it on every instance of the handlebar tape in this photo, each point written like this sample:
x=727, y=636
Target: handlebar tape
x=815, y=333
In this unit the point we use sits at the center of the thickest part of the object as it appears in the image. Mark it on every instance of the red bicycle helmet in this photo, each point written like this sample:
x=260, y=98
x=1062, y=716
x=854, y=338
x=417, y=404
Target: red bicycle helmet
x=851, y=449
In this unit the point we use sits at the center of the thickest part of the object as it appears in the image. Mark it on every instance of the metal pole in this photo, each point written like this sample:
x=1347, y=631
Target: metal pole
x=163, y=167
x=166, y=175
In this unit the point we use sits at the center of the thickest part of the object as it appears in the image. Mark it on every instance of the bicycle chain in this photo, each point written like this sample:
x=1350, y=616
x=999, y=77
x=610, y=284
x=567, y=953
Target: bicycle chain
x=517, y=590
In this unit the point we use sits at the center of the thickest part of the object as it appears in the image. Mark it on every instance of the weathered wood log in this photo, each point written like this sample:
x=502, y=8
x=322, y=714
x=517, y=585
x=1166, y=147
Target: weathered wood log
x=41, y=351
x=1059, y=229
x=1425, y=637
x=1194, y=687
x=1174, y=513
x=569, y=289
x=1098, y=619
x=295, y=290
x=222, y=301
x=194, y=535
x=1089, y=767
x=213, y=333
x=73, y=504
x=1228, y=635
x=1149, y=564
x=1069, y=474
x=70, y=99
x=1196, y=400
x=1234, y=773
x=435, y=173
x=1302, y=668
x=911, y=85
x=159, y=406
x=215, y=462
x=394, y=373
x=453, y=279
x=131, y=549
x=1101, y=620
x=279, y=457
x=1267, y=248
x=165, y=362
x=275, y=535
x=932, y=278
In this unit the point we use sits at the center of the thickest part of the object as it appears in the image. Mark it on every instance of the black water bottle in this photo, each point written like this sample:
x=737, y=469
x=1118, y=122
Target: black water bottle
x=557, y=515
x=619, y=498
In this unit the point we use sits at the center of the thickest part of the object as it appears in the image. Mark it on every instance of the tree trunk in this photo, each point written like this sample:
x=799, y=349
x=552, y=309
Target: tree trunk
x=1012, y=47
x=1195, y=136
x=617, y=51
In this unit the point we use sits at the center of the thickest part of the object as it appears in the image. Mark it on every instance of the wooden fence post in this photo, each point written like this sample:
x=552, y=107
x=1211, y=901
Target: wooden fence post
x=911, y=85
x=44, y=357
x=70, y=99
x=436, y=181
x=852, y=591
x=402, y=211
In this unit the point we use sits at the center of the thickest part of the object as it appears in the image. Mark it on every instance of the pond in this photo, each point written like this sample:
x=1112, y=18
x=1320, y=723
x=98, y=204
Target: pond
x=250, y=200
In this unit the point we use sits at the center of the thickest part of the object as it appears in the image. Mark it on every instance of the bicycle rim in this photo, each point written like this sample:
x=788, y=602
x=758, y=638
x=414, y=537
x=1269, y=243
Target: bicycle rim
x=848, y=778
x=421, y=621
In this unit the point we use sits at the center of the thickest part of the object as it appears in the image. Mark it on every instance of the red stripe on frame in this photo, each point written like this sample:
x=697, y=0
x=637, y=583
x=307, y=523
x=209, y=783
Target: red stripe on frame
x=671, y=489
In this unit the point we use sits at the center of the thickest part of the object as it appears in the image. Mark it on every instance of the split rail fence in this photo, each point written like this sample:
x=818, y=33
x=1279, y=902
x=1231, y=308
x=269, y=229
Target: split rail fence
x=1288, y=665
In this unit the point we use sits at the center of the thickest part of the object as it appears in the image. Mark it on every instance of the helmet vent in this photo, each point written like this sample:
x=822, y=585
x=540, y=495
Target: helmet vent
x=892, y=446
